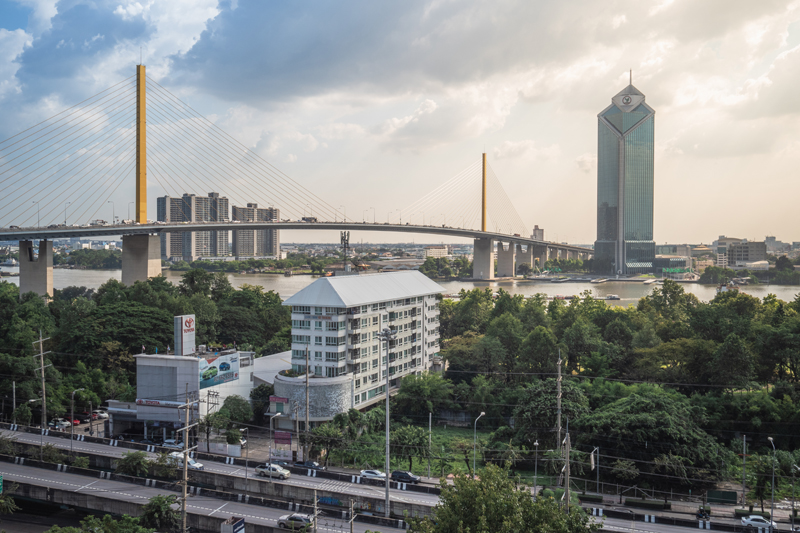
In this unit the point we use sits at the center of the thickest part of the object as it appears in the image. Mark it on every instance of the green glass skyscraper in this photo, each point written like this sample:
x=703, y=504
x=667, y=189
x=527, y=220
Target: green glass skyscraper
x=625, y=137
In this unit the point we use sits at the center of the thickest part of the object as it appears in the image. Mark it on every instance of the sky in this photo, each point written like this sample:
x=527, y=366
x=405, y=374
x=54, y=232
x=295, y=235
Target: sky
x=372, y=105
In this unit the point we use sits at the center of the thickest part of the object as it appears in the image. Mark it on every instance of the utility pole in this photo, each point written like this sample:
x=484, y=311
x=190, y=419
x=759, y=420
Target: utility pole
x=430, y=419
x=41, y=369
x=352, y=516
x=387, y=335
x=558, y=401
x=566, y=486
x=744, y=471
x=305, y=444
x=14, y=396
x=189, y=405
x=315, y=511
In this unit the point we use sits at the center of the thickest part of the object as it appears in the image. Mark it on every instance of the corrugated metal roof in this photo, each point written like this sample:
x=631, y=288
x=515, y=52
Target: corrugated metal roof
x=349, y=291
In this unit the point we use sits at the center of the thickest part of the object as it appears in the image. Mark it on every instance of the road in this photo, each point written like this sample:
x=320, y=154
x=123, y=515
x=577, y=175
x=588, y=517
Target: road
x=134, y=493
x=331, y=485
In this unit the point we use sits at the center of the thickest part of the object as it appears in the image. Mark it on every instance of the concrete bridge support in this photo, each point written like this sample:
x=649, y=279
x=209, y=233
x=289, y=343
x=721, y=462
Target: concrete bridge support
x=483, y=259
x=36, y=273
x=141, y=258
x=540, y=255
x=505, y=260
x=521, y=257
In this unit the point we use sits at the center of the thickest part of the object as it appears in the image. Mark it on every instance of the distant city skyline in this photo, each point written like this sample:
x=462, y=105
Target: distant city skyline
x=418, y=90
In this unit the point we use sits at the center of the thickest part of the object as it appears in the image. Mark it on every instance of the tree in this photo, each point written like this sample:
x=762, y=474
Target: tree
x=733, y=364
x=536, y=412
x=783, y=263
x=494, y=504
x=523, y=269
x=327, y=437
x=489, y=355
x=409, y=442
x=422, y=394
x=7, y=503
x=582, y=338
x=51, y=454
x=106, y=524
x=159, y=514
x=133, y=464
x=236, y=409
x=538, y=353
x=259, y=396
x=233, y=436
x=23, y=414
x=507, y=329
x=211, y=422
x=164, y=466
x=197, y=281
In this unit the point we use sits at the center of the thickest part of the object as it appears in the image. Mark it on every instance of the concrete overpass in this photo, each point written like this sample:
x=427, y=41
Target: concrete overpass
x=141, y=256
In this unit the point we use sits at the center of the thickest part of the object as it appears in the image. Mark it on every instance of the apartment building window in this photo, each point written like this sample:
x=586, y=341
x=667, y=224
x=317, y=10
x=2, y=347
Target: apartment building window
x=317, y=370
x=318, y=324
x=317, y=310
x=358, y=385
x=301, y=324
x=375, y=349
x=298, y=354
x=374, y=307
x=375, y=320
x=364, y=337
x=318, y=356
x=334, y=341
x=374, y=363
x=318, y=341
x=357, y=399
x=301, y=339
x=304, y=309
x=332, y=356
x=364, y=367
x=335, y=326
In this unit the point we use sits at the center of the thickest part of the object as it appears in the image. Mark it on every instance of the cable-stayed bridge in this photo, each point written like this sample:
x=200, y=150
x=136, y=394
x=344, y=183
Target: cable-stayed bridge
x=59, y=174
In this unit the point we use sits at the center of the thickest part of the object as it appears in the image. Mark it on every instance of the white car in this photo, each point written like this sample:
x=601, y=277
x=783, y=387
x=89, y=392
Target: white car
x=757, y=521
x=172, y=443
x=100, y=414
x=270, y=470
x=192, y=464
x=296, y=521
x=373, y=474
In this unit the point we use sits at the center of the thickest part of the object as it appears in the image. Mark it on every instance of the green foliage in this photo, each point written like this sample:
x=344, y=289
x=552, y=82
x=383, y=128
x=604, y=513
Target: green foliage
x=92, y=259
x=163, y=466
x=80, y=462
x=423, y=393
x=260, y=398
x=133, y=464
x=51, y=454
x=233, y=436
x=409, y=442
x=536, y=412
x=159, y=514
x=327, y=438
x=7, y=503
x=106, y=524
x=236, y=409
x=494, y=504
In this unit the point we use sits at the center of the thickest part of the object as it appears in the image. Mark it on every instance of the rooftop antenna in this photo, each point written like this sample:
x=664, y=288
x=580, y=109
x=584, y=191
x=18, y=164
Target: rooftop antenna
x=630, y=73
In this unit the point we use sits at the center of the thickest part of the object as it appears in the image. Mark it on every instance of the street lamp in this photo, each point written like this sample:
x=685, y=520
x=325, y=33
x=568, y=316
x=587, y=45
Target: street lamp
x=474, y=442
x=386, y=336
x=373, y=214
x=112, y=210
x=271, y=437
x=344, y=210
x=65, y=212
x=38, y=220
x=772, y=505
x=536, y=469
x=72, y=421
x=794, y=467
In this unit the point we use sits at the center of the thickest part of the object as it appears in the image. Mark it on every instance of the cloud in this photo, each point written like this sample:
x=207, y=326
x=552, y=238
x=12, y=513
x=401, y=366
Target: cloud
x=392, y=125
x=527, y=148
x=12, y=43
x=587, y=162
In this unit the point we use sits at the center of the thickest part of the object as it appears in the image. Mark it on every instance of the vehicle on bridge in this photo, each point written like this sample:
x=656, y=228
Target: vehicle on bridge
x=271, y=470
x=296, y=521
x=308, y=219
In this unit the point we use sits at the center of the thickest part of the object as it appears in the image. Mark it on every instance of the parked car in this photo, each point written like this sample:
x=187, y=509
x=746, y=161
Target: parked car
x=403, y=476
x=311, y=465
x=83, y=417
x=173, y=443
x=757, y=521
x=270, y=470
x=75, y=421
x=100, y=414
x=373, y=474
x=192, y=464
x=59, y=424
x=149, y=442
x=296, y=521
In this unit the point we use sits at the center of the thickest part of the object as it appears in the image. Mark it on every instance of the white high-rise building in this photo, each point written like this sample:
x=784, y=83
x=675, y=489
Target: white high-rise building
x=338, y=319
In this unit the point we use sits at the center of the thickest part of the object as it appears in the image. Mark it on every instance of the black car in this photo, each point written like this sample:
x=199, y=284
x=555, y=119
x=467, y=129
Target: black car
x=401, y=476
x=311, y=465
x=83, y=417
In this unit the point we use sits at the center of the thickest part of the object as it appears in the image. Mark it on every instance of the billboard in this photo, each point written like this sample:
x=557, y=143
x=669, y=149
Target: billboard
x=216, y=369
x=184, y=334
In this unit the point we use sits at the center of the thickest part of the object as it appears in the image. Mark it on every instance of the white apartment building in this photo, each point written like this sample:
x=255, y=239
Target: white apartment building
x=338, y=319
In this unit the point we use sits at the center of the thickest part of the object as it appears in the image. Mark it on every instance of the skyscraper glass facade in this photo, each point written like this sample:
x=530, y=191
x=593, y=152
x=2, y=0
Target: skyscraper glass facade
x=625, y=140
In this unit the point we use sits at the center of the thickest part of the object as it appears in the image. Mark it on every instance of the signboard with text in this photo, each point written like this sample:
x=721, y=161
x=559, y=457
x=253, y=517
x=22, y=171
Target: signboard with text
x=216, y=369
x=185, y=327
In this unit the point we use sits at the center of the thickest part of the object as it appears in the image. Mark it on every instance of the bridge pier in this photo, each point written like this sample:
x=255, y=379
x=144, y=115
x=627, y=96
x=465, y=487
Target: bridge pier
x=141, y=258
x=541, y=256
x=505, y=260
x=483, y=259
x=523, y=257
x=36, y=273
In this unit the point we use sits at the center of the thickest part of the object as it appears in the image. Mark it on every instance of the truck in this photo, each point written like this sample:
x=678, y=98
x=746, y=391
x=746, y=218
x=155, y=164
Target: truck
x=308, y=219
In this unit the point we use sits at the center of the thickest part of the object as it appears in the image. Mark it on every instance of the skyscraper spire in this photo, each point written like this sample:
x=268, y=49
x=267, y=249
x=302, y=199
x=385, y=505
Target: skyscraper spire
x=630, y=74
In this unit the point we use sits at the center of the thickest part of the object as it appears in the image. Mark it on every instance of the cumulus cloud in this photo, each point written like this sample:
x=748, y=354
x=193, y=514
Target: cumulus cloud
x=527, y=148
x=587, y=162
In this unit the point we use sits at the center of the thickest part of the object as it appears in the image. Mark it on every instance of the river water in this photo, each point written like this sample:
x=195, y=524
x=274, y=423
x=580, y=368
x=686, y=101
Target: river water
x=628, y=291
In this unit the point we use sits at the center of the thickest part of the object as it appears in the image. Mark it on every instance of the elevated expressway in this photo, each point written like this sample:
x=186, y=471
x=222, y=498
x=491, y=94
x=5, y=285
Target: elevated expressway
x=142, y=251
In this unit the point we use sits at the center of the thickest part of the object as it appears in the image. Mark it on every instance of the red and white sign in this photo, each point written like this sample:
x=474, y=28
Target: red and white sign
x=184, y=334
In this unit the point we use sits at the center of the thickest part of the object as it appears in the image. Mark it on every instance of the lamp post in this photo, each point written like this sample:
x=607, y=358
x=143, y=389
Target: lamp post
x=271, y=432
x=65, y=212
x=535, y=469
x=344, y=210
x=474, y=442
x=373, y=214
x=38, y=220
x=112, y=211
x=72, y=421
x=794, y=467
x=386, y=336
x=772, y=505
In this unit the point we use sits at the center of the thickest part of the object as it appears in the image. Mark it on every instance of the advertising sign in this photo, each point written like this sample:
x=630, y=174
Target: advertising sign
x=216, y=369
x=278, y=399
x=283, y=437
x=184, y=334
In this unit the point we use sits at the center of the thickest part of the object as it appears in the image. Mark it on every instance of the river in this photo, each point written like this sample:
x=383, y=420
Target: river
x=628, y=291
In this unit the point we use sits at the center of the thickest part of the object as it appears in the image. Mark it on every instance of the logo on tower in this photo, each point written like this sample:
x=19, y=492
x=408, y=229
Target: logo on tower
x=189, y=323
x=184, y=334
x=626, y=100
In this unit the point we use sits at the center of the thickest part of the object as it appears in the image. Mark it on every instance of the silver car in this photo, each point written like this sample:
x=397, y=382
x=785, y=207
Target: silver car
x=754, y=521
x=296, y=521
x=373, y=474
x=270, y=470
